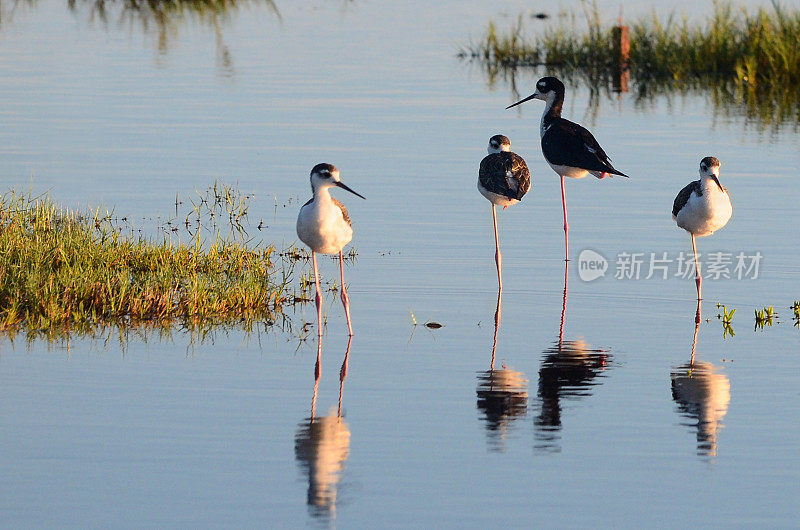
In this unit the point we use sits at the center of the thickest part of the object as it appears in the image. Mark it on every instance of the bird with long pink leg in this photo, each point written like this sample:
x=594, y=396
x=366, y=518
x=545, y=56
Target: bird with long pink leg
x=324, y=225
x=701, y=208
x=570, y=149
x=503, y=178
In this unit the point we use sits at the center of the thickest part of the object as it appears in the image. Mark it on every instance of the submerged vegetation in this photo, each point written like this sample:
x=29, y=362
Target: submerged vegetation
x=63, y=271
x=749, y=60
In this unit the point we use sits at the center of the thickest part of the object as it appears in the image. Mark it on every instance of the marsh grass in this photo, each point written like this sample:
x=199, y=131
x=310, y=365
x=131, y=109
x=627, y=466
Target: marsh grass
x=63, y=271
x=749, y=60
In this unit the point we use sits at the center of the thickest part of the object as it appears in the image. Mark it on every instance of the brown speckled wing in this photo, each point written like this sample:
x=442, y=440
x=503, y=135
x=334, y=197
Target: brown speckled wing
x=344, y=212
x=493, y=172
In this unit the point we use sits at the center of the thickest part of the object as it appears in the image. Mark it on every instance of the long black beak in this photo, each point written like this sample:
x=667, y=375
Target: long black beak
x=346, y=187
x=716, y=179
x=522, y=101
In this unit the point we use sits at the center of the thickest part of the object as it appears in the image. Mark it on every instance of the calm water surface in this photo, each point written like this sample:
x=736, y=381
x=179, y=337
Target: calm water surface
x=578, y=410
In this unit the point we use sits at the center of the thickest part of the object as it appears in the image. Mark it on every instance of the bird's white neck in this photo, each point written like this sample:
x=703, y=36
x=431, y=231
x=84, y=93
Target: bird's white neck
x=501, y=149
x=710, y=182
x=552, y=109
x=548, y=104
x=322, y=194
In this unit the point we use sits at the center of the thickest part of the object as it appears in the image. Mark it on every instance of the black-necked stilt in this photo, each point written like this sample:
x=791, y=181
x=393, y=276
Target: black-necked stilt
x=570, y=149
x=503, y=179
x=324, y=225
x=701, y=208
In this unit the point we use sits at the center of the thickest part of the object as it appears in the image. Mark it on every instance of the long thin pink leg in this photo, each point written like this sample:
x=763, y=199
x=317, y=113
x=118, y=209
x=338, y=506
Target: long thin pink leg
x=498, y=258
x=698, y=276
x=318, y=298
x=345, y=298
x=566, y=223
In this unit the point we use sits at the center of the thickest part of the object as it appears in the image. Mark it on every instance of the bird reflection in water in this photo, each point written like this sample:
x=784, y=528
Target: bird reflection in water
x=502, y=394
x=322, y=445
x=569, y=370
x=702, y=395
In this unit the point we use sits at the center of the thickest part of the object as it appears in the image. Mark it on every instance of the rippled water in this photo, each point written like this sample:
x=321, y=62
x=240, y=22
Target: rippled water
x=581, y=408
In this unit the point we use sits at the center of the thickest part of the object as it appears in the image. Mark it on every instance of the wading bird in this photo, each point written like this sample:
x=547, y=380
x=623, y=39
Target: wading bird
x=503, y=178
x=701, y=208
x=570, y=149
x=324, y=225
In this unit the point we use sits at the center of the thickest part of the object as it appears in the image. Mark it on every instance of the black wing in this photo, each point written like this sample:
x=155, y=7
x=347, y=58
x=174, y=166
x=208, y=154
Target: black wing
x=344, y=211
x=683, y=196
x=494, y=175
x=568, y=144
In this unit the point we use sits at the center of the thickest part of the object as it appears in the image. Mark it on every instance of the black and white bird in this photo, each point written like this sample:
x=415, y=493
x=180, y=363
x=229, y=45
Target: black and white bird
x=701, y=208
x=503, y=179
x=324, y=225
x=570, y=149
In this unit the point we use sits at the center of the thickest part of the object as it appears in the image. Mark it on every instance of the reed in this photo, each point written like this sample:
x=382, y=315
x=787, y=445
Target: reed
x=63, y=270
x=749, y=59
x=753, y=47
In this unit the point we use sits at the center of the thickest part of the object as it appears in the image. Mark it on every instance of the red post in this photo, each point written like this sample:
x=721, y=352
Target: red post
x=622, y=45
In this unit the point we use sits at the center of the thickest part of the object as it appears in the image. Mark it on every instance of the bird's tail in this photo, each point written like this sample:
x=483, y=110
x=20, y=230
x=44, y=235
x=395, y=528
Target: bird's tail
x=610, y=172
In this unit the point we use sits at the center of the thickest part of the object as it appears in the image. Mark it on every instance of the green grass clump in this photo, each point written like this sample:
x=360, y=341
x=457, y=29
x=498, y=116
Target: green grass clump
x=753, y=47
x=62, y=270
x=748, y=58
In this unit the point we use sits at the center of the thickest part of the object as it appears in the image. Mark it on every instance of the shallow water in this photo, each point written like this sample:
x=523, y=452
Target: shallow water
x=591, y=415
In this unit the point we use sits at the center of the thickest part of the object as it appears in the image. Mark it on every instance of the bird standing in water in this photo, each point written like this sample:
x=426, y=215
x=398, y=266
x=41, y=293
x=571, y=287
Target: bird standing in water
x=701, y=208
x=503, y=178
x=570, y=149
x=324, y=225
